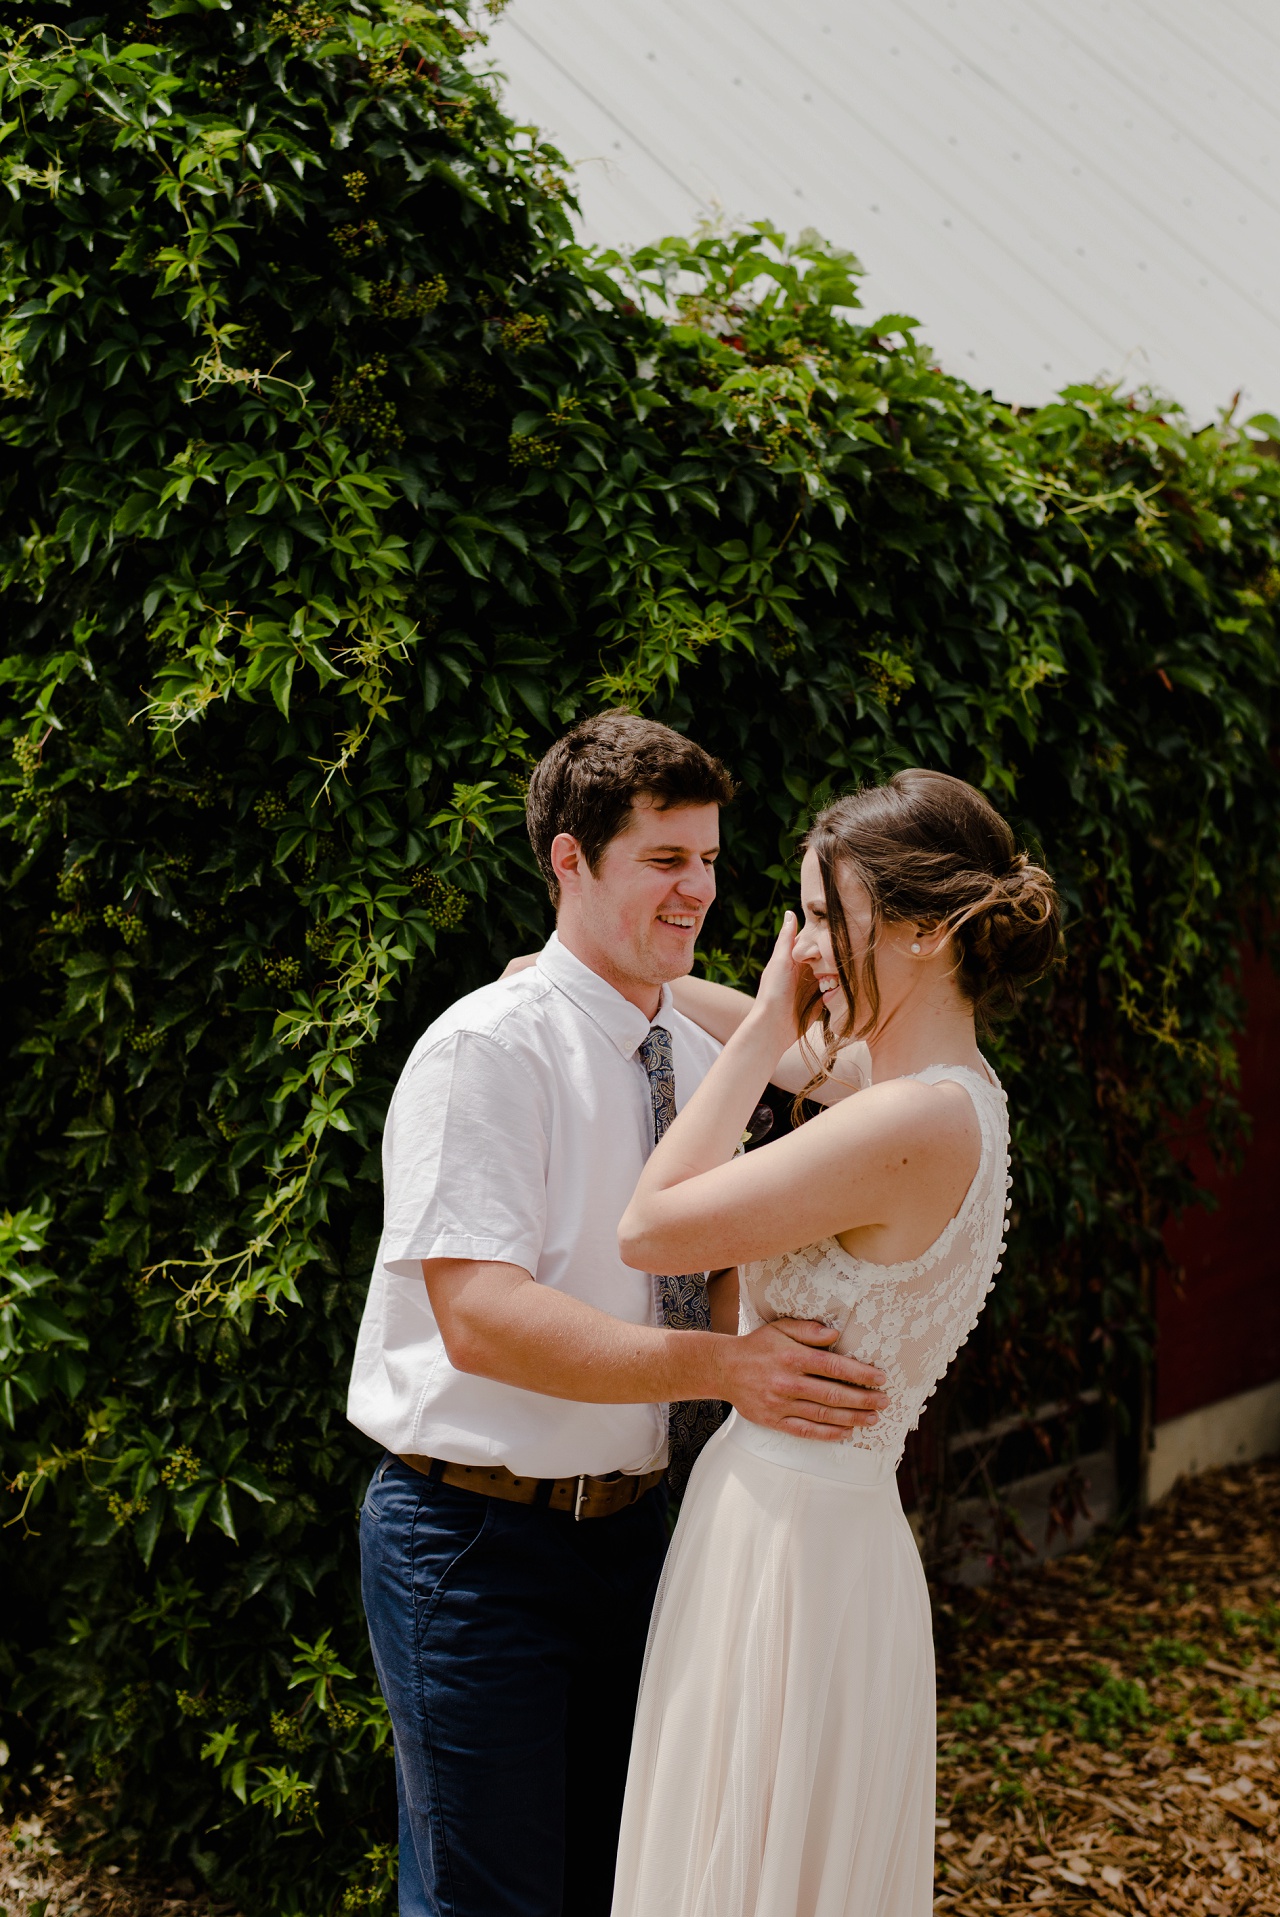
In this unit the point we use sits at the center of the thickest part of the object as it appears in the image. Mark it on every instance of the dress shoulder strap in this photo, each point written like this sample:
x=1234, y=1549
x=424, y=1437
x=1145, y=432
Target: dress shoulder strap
x=972, y=1079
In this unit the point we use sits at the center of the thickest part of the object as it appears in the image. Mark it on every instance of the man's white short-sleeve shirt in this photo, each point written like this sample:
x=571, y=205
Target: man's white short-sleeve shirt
x=516, y=1134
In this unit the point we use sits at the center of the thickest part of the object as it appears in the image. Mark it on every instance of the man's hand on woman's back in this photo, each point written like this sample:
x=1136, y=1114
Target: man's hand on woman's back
x=782, y=1375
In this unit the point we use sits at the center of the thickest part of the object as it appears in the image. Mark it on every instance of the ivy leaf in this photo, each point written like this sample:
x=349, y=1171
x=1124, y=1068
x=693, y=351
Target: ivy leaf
x=191, y=1161
x=277, y=543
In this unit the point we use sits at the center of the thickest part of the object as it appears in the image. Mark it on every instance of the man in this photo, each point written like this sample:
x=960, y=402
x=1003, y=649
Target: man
x=520, y=1376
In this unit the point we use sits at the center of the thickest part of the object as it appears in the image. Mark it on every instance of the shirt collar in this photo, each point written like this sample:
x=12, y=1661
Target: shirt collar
x=616, y=1016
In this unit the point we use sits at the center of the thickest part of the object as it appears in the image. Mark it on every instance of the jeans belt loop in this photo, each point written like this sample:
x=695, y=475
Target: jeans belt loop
x=582, y=1491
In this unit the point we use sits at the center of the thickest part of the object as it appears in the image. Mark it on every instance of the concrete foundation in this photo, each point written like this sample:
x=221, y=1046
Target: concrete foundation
x=1233, y=1431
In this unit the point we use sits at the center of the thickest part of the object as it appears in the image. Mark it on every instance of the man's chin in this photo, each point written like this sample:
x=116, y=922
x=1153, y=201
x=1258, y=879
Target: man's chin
x=665, y=966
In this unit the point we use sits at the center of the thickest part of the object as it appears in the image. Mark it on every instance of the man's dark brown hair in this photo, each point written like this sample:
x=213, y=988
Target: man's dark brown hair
x=587, y=783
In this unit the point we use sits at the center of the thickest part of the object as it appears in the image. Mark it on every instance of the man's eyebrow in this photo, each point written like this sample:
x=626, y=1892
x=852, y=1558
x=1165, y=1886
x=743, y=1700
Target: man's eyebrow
x=710, y=852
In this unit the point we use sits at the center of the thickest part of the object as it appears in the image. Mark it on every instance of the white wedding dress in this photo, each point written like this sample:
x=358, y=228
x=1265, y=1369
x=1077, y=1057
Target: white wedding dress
x=783, y=1758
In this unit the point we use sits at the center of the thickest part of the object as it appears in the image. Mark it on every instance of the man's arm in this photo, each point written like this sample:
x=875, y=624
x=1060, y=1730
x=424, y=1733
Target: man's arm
x=722, y=1295
x=497, y=1323
x=720, y=1010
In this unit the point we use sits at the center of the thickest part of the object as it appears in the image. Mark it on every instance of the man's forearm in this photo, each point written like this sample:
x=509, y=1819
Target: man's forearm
x=720, y=1010
x=497, y=1323
x=722, y=1294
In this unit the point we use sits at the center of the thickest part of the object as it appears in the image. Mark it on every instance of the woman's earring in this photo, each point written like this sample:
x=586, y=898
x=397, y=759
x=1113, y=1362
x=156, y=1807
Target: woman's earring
x=915, y=945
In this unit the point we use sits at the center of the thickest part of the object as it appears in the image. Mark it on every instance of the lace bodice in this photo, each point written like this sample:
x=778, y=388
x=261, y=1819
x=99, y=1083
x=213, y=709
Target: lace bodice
x=909, y=1318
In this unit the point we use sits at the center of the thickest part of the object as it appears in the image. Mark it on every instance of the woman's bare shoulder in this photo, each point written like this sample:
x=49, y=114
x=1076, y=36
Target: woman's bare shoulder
x=914, y=1112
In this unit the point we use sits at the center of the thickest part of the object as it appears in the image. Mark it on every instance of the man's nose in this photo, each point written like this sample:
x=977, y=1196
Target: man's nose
x=699, y=882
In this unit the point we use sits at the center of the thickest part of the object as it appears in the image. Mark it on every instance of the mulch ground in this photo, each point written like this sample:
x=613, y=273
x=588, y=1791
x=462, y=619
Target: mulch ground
x=42, y=1876
x=1108, y=1736
x=1109, y=1727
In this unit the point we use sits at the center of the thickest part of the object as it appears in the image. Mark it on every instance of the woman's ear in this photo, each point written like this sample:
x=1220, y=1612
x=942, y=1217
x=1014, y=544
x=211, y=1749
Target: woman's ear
x=927, y=938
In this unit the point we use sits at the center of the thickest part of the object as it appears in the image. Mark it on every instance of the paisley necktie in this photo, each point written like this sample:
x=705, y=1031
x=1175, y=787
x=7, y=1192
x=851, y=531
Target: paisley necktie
x=682, y=1301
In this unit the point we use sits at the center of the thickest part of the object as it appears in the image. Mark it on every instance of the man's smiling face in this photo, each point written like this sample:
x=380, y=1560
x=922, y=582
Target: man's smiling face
x=635, y=920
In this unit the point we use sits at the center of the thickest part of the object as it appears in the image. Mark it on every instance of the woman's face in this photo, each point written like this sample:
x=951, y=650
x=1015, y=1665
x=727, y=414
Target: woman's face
x=814, y=948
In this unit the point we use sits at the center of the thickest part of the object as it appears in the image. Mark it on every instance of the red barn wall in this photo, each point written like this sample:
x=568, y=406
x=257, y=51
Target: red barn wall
x=1218, y=1331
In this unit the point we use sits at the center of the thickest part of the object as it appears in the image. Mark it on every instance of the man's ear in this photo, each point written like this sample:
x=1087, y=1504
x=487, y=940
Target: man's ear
x=567, y=862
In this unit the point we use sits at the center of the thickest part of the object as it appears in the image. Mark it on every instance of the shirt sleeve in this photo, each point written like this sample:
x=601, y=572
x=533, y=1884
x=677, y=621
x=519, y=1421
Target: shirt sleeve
x=465, y=1158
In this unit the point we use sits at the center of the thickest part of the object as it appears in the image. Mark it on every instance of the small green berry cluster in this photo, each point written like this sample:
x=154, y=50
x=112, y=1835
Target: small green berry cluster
x=73, y=882
x=393, y=70
x=522, y=331
x=290, y=1733
x=282, y=971
x=360, y=405
x=144, y=1039
x=181, y=1468
x=221, y=1704
x=390, y=301
x=301, y=23
x=78, y=920
x=124, y=920
x=26, y=756
x=123, y=1510
x=352, y=240
x=321, y=941
x=356, y=1897
x=129, y=1709
x=476, y=387
x=356, y=183
x=270, y=809
x=526, y=449
x=454, y=123
x=445, y=905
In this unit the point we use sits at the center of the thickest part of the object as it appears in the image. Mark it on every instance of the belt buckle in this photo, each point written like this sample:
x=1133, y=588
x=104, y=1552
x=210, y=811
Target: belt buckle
x=578, y=1500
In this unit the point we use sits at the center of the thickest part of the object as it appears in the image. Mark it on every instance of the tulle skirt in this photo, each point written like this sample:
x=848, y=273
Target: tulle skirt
x=783, y=1759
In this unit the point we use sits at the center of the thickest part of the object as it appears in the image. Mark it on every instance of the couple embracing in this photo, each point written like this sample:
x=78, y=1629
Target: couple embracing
x=586, y=1295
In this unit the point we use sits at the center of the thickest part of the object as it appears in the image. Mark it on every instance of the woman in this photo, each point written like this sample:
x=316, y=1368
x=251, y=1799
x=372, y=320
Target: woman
x=783, y=1760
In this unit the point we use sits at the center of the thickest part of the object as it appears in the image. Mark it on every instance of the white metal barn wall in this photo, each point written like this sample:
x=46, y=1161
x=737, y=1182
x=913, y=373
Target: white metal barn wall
x=1056, y=189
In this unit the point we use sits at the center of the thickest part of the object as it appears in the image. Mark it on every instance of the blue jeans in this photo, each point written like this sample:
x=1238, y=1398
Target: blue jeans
x=508, y=1641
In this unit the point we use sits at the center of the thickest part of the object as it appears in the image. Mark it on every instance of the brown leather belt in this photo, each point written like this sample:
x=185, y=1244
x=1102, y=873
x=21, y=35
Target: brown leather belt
x=584, y=1497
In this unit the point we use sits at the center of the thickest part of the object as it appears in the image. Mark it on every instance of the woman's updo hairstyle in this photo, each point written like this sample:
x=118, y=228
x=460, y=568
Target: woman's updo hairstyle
x=932, y=851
